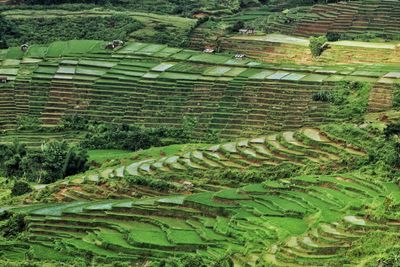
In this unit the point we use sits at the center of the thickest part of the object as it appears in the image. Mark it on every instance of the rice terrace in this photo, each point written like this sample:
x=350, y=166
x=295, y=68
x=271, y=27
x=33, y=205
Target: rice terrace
x=196, y=133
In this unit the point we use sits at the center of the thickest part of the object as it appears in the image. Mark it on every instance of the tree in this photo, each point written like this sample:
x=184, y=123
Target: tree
x=193, y=261
x=5, y=30
x=20, y=188
x=61, y=160
x=237, y=26
x=317, y=45
x=13, y=226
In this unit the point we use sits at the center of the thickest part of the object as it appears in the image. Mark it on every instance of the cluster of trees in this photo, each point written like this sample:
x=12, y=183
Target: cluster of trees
x=349, y=99
x=55, y=160
x=317, y=45
x=157, y=184
x=6, y=30
x=14, y=224
x=47, y=30
x=176, y=7
x=100, y=135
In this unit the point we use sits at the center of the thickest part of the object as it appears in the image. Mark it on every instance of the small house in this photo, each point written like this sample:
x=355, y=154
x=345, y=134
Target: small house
x=3, y=79
x=240, y=56
x=110, y=46
x=117, y=43
x=209, y=49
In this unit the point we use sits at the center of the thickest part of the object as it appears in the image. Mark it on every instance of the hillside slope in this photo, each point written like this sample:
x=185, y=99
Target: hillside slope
x=152, y=84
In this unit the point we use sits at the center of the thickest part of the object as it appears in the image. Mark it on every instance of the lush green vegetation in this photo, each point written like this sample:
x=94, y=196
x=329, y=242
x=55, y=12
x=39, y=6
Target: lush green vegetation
x=55, y=160
x=47, y=30
x=349, y=99
x=275, y=149
x=317, y=45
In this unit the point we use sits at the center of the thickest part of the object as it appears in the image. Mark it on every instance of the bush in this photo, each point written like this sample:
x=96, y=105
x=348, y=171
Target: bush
x=396, y=96
x=47, y=30
x=237, y=26
x=20, y=188
x=156, y=184
x=317, y=45
x=13, y=226
x=6, y=29
x=193, y=261
x=322, y=96
x=74, y=122
x=28, y=123
x=55, y=160
x=333, y=36
x=133, y=137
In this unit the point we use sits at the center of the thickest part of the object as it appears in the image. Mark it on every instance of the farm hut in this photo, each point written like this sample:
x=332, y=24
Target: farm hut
x=117, y=43
x=110, y=46
x=24, y=47
x=240, y=56
x=247, y=31
x=3, y=79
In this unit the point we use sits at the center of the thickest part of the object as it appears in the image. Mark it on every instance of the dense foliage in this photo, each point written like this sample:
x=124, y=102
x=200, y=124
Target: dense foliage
x=396, y=96
x=20, y=188
x=129, y=137
x=178, y=7
x=349, y=99
x=317, y=45
x=46, y=30
x=6, y=29
x=14, y=225
x=55, y=160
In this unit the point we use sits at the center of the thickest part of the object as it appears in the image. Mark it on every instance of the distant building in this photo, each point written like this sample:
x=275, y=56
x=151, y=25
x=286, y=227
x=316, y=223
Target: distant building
x=247, y=31
x=117, y=43
x=3, y=79
x=200, y=14
x=24, y=47
x=114, y=44
x=110, y=46
x=209, y=49
x=240, y=56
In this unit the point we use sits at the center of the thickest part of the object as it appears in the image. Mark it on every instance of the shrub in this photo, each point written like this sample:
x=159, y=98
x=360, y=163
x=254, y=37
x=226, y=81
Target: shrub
x=237, y=26
x=28, y=123
x=350, y=100
x=193, y=261
x=13, y=226
x=74, y=122
x=55, y=160
x=317, y=45
x=150, y=182
x=392, y=129
x=396, y=96
x=322, y=96
x=333, y=36
x=6, y=30
x=20, y=188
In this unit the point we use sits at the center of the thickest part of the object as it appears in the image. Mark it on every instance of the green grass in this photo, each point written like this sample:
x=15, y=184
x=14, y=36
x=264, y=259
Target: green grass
x=103, y=155
x=302, y=206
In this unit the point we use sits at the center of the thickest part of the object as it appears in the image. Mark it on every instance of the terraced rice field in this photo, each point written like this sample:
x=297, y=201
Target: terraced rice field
x=298, y=148
x=151, y=84
x=353, y=18
x=303, y=221
x=35, y=139
x=302, y=148
x=283, y=48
